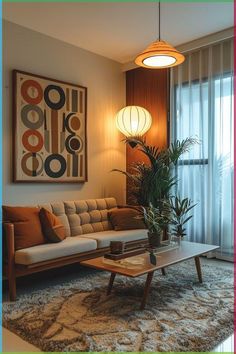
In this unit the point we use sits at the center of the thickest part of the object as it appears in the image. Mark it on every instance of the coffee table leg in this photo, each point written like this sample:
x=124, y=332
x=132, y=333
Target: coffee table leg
x=111, y=281
x=163, y=271
x=198, y=267
x=146, y=290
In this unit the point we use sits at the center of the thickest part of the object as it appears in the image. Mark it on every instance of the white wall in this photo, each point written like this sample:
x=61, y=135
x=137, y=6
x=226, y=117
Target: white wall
x=36, y=53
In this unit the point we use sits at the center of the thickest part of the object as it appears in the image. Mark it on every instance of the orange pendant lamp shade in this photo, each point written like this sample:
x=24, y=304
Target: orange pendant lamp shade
x=159, y=54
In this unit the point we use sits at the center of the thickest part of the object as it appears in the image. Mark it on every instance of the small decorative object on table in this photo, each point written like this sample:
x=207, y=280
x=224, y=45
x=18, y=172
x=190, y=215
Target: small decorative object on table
x=153, y=258
x=165, y=246
x=117, y=247
x=134, y=262
x=175, y=240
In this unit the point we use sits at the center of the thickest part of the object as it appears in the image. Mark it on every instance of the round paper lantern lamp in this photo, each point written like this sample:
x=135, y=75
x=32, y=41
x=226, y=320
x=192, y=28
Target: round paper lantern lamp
x=133, y=121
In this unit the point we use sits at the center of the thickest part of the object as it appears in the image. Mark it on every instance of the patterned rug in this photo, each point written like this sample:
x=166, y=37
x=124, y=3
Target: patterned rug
x=181, y=314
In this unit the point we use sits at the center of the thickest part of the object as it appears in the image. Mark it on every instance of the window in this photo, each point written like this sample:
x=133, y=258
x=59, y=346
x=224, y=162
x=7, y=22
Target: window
x=203, y=108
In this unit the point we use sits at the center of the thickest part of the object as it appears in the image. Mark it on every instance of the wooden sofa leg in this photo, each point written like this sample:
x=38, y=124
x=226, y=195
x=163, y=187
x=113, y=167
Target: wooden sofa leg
x=9, y=228
x=12, y=286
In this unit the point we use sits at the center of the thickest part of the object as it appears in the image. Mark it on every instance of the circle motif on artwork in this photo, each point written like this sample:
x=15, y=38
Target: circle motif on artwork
x=73, y=144
x=54, y=96
x=28, y=140
x=32, y=164
x=75, y=123
x=72, y=123
x=25, y=116
x=55, y=165
x=29, y=89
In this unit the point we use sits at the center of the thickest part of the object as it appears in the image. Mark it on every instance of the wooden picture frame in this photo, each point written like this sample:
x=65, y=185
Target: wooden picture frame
x=49, y=130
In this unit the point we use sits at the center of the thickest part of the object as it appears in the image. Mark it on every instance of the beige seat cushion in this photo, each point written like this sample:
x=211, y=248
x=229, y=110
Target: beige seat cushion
x=103, y=238
x=68, y=247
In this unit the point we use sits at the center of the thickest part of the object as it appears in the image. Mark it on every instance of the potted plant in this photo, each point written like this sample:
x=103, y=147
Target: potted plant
x=179, y=215
x=150, y=184
x=155, y=221
x=173, y=214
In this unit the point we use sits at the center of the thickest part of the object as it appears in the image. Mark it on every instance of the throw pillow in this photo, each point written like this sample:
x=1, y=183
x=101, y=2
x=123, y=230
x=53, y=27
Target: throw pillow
x=27, y=227
x=126, y=219
x=52, y=227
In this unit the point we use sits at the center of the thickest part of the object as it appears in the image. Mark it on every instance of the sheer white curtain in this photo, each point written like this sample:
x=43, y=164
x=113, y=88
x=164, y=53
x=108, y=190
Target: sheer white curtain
x=202, y=107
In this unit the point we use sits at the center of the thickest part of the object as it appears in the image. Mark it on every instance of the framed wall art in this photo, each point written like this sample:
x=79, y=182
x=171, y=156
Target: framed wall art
x=49, y=123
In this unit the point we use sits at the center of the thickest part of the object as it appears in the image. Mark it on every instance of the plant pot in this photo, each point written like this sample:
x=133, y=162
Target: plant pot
x=176, y=239
x=154, y=239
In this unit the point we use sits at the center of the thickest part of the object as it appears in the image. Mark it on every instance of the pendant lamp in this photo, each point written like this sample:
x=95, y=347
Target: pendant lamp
x=159, y=54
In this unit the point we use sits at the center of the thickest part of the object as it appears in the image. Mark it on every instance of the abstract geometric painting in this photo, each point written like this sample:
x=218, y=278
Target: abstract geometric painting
x=49, y=130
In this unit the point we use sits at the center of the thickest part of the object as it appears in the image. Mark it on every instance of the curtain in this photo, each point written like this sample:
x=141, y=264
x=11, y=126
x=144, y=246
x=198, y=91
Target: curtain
x=202, y=108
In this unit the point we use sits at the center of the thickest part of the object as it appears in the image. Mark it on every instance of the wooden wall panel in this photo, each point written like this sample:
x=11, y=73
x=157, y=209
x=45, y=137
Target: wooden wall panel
x=149, y=89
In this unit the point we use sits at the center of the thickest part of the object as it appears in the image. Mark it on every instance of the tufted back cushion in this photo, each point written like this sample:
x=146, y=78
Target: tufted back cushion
x=86, y=216
x=83, y=216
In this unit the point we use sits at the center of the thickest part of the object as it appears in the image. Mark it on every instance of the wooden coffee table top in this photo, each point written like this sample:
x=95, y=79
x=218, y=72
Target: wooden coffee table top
x=185, y=251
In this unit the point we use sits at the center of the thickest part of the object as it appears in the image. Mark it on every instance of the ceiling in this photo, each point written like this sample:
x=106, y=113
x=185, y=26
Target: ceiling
x=121, y=30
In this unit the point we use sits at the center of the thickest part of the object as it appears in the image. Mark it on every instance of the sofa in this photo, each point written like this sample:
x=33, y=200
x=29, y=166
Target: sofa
x=88, y=235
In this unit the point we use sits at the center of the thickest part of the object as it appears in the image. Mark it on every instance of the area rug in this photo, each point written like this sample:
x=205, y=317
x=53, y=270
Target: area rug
x=181, y=314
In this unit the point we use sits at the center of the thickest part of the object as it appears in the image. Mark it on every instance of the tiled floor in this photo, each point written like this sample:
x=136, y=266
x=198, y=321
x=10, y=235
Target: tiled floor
x=13, y=343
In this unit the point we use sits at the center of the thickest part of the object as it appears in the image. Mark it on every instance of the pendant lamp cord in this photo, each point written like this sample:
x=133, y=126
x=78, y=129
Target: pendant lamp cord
x=159, y=22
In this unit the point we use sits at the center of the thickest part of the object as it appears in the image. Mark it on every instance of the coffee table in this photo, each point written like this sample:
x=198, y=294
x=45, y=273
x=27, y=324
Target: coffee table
x=185, y=251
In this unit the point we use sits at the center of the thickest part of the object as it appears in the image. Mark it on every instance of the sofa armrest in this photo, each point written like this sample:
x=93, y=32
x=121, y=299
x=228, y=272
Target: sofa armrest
x=9, y=242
